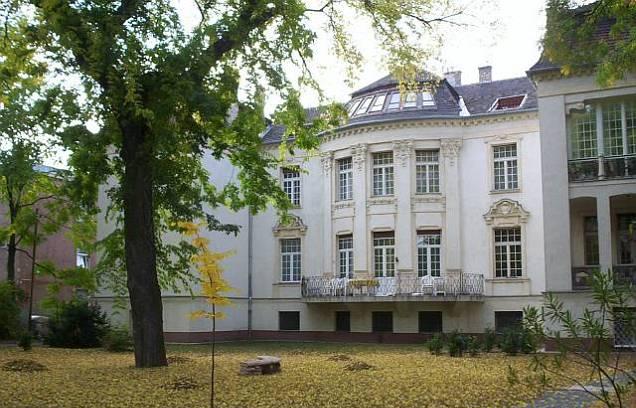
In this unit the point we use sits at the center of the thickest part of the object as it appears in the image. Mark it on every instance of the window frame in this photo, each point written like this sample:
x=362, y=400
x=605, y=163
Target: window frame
x=506, y=315
x=292, y=184
x=345, y=256
x=506, y=162
x=437, y=325
x=382, y=174
x=384, y=252
x=295, y=260
x=364, y=106
x=425, y=253
x=427, y=172
x=377, y=325
x=337, y=322
x=590, y=237
x=345, y=191
x=295, y=313
x=520, y=271
x=373, y=108
x=79, y=253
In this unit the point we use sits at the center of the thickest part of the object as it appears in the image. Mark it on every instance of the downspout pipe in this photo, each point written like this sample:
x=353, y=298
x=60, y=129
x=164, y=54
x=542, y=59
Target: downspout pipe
x=250, y=263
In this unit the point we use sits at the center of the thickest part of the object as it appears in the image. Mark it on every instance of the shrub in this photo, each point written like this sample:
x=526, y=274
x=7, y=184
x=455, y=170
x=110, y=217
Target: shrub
x=435, y=344
x=25, y=341
x=10, y=296
x=473, y=345
x=490, y=339
x=78, y=324
x=118, y=339
x=457, y=344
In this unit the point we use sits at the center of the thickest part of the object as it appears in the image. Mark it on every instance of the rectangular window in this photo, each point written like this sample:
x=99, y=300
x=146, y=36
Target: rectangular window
x=429, y=253
x=343, y=321
x=630, y=122
x=354, y=105
x=627, y=238
x=508, y=252
x=364, y=106
x=410, y=100
x=81, y=259
x=345, y=255
x=426, y=171
x=384, y=254
x=378, y=103
x=430, y=322
x=288, y=320
x=427, y=99
x=394, y=101
x=583, y=142
x=290, y=259
x=382, y=321
x=383, y=174
x=345, y=179
x=505, y=167
x=612, y=130
x=291, y=185
x=507, y=320
x=590, y=230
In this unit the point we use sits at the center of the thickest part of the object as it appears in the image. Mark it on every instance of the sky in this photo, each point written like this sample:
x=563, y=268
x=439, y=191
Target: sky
x=510, y=46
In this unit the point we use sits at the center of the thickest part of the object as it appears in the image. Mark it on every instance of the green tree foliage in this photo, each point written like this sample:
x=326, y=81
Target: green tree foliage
x=587, y=339
x=574, y=37
x=166, y=95
x=9, y=310
x=78, y=324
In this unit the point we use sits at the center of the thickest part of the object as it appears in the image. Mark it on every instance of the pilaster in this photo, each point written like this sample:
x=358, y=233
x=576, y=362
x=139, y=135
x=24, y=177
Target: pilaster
x=449, y=149
x=328, y=261
x=403, y=153
x=359, y=155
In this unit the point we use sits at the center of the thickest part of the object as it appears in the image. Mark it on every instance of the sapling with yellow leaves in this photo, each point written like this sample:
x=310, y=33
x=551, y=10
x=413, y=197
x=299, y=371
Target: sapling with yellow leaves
x=213, y=286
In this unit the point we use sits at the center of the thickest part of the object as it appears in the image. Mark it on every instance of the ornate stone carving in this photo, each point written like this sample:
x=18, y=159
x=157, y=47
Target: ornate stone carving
x=450, y=149
x=294, y=225
x=326, y=161
x=342, y=204
x=381, y=201
x=506, y=212
x=359, y=153
x=402, y=151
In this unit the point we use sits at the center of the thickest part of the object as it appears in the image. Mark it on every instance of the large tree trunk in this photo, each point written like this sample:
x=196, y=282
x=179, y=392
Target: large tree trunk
x=11, y=251
x=139, y=237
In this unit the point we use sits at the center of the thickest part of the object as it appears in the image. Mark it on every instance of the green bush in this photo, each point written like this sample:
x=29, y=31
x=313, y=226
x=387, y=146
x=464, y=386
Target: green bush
x=25, y=341
x=10, y=296
x=78, y=324
x=118, y=339
x=457, y=344
x=516, y=340
x=435, y=344
x=473, y=345
x=490, y=339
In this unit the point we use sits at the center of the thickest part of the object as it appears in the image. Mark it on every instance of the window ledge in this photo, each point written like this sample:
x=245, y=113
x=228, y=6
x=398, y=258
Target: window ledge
x=507, y=191
x=286, y=283
x=508, y=280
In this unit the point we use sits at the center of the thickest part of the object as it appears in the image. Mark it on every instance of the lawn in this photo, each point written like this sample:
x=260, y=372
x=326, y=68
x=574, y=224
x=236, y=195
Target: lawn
x=313, y=376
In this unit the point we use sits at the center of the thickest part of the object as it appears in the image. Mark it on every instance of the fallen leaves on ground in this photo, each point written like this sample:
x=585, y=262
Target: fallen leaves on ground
x=402, y=376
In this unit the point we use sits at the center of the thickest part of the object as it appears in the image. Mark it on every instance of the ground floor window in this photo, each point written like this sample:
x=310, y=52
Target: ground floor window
x=382, y=321
x=343, y=321
x=289, y=320
x=430, y=322
x=508, y=319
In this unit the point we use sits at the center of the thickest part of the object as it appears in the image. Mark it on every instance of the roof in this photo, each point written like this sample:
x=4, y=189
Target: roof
x=478, y=98
x=389, y=81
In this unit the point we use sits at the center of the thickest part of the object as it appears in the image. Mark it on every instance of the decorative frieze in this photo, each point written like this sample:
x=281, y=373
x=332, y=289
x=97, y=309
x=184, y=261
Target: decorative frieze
x=402, y=151
x=359, y=154
x=292, y=226
x=450, y=149
x=342, y=205
x=381, y=201
x=326, y=161
x=506, y=212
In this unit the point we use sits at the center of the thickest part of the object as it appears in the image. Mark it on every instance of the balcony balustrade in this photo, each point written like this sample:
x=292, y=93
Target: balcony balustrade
x=344, y=289
x=623, y=274
x=602, y=168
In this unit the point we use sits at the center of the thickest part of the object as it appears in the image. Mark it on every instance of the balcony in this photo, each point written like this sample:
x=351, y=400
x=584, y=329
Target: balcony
x=624, y=274
x=464, y=286
x=602, y=168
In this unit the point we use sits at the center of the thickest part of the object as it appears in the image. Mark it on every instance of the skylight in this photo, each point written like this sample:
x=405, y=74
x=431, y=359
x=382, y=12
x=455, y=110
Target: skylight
x=364, y=106
x=378, y=103
x=508, y=102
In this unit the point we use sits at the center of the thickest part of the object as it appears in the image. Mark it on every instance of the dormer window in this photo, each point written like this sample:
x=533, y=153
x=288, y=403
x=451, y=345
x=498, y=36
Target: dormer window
x=410, y=101
x=354, y=105
x=394, y=102
x=508, y=102
x=364, y=106
x=427, y=99
x=378, y=103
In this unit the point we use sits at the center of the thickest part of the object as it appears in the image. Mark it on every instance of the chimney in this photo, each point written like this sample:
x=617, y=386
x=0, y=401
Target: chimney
x=454, y=78
x=485, y=74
